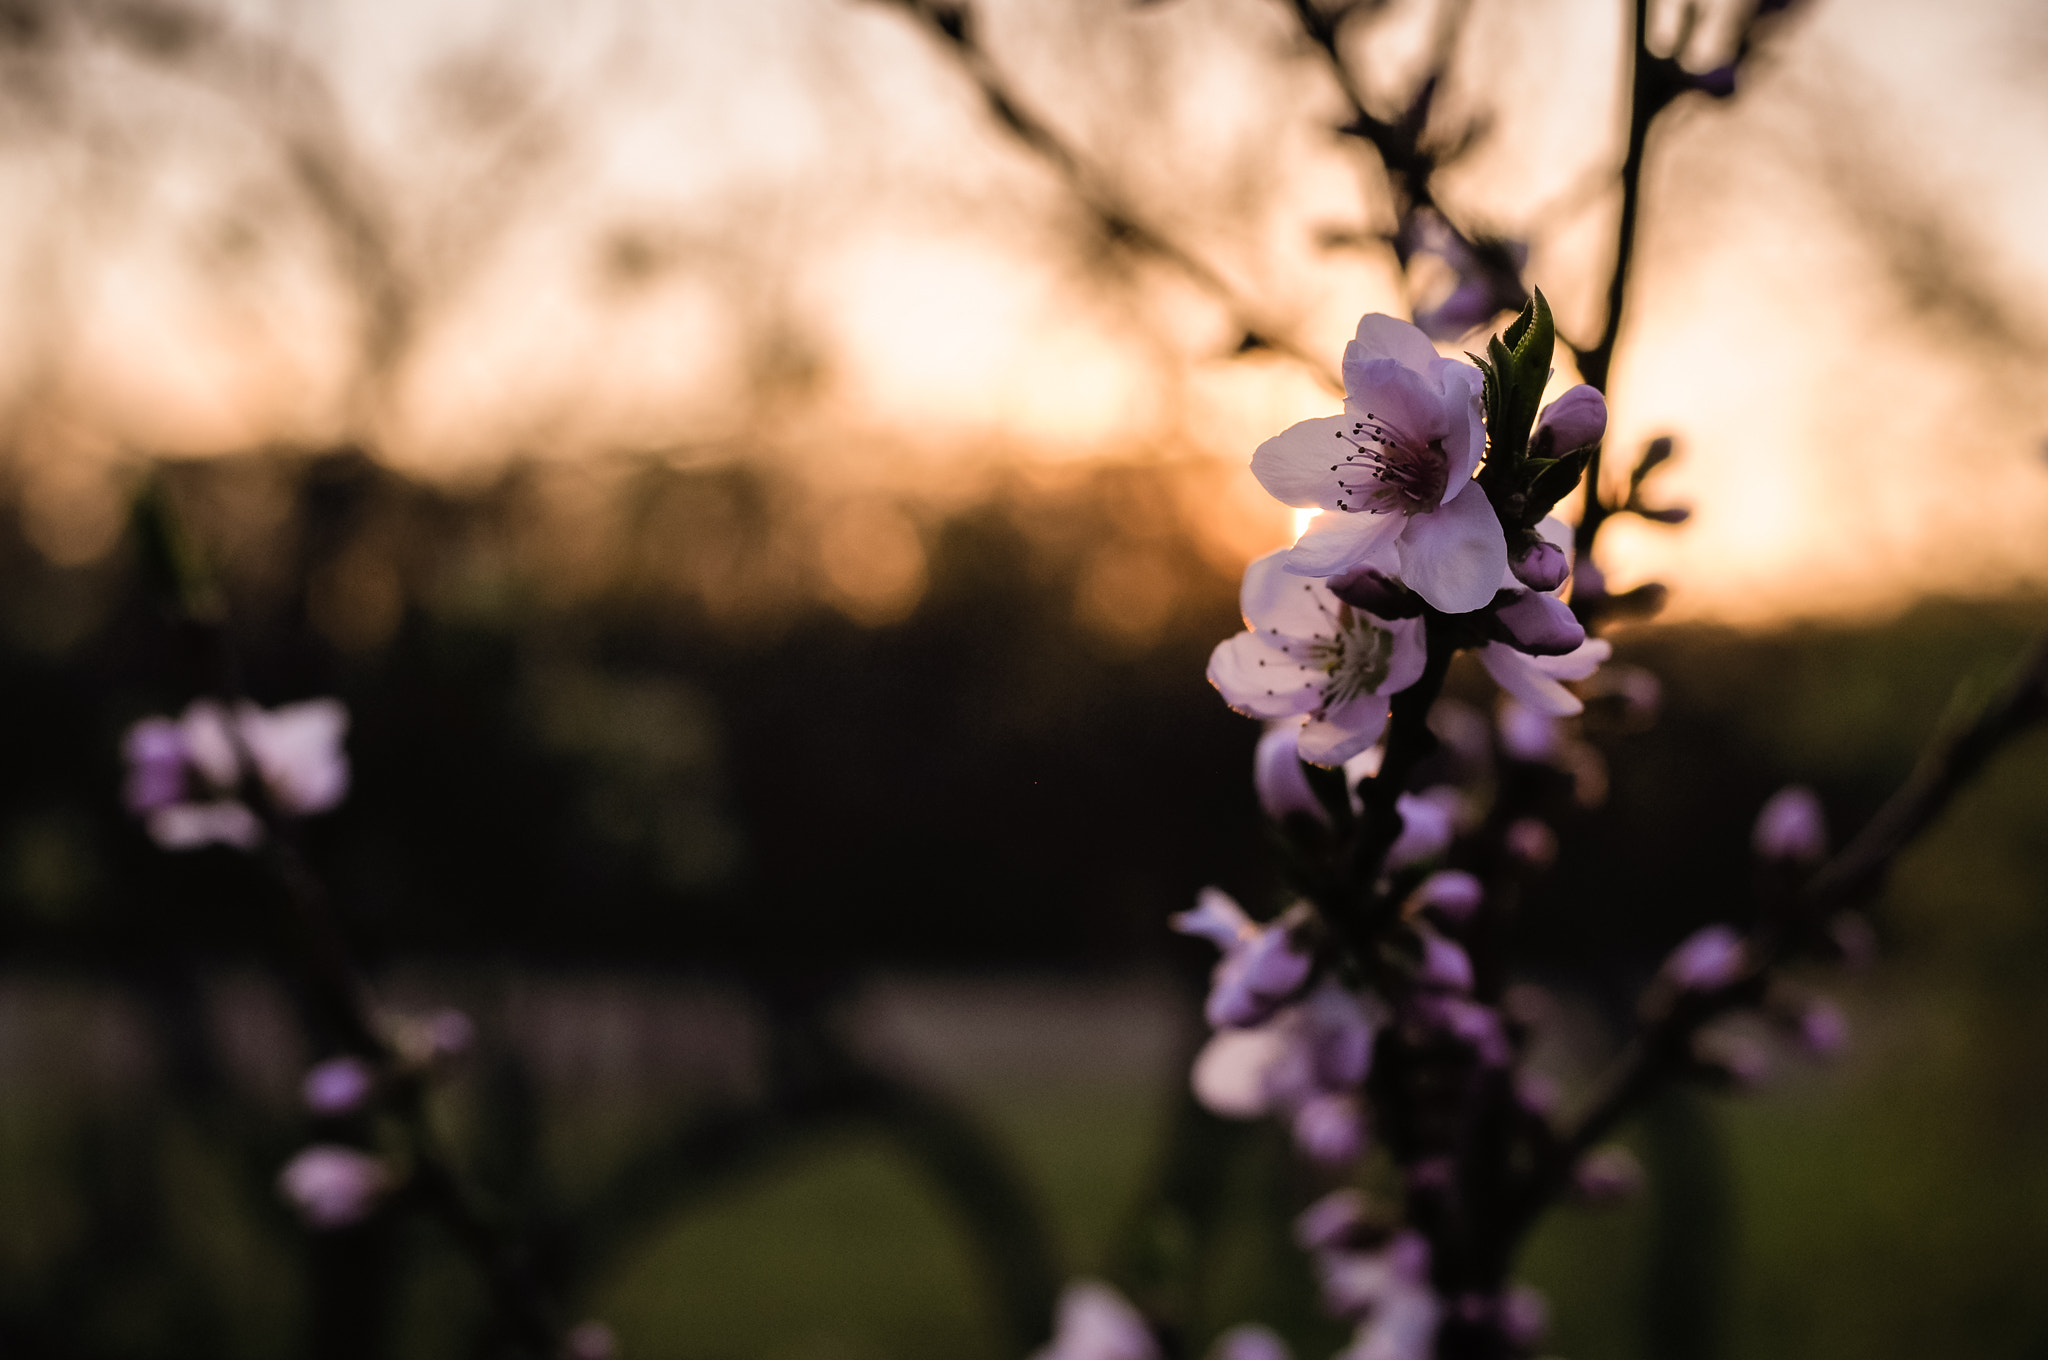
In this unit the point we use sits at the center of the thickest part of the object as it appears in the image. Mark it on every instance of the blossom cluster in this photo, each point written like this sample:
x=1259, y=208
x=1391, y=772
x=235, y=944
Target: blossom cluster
x=1373, y=1015
x=189, y=777
x=1429, y=519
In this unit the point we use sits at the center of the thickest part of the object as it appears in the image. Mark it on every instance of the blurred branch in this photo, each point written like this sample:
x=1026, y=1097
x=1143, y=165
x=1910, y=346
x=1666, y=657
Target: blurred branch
x=953, y=25
x=1854, y=874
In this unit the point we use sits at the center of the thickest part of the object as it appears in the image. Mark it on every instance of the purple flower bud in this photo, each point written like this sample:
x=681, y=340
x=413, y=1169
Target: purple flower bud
x=1283, y=787
x=1096, y=1323
x=1735, y=1055
x=1573, y=421
x=333, y=1186
x=1428, y=823
x=450, y=1034
x=1535, y=1093
x=1444, y=965
x=1608, y=1175
x=1823, y=1029
x=338, y=1086
x=1329, y=1128
x=155, y=751
x=1543, y=567
x=1376, y=593
x=1791, y=828
x=1331, y=1221
x=1540, y=624
x=1451, y=894
x=1524, y=1318
x=1526, y=734
x=1249, y=1342
x=1708, y=960
x=1531, y=843
x=590, y=1341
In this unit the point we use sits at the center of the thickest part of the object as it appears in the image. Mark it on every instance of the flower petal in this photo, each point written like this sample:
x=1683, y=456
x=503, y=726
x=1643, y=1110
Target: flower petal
x=1343, y=730
x=1259, y=680
x=1298, y=466
x=1342, y=541
x=1278, y=602
x=1454, y=555
x=1520, y=676
x=1459, y=386
x=1384, y=337
x=1405, y=401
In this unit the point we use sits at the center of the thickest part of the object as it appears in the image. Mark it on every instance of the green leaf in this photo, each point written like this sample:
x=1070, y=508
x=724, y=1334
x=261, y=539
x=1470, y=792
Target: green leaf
x=1553, y=483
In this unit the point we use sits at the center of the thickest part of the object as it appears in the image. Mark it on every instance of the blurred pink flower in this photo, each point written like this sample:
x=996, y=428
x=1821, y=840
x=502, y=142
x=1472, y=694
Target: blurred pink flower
x=1791, y=828
x=1097, y=1323
x=1277, y=776
x=1261, y=965
x=1708, y=959
x=1394, y=472
x=338, y=1086
x=1607, y=1175
x=184, y=776
x=1249, y=1342
x=1534, y=680
x=333, y=1186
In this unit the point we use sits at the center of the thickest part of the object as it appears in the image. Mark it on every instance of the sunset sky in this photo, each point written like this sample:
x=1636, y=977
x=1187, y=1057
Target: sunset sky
x=465, y=232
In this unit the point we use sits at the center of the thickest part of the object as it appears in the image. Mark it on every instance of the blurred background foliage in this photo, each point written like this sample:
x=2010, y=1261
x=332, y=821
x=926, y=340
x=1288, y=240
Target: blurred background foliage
x=632, y=793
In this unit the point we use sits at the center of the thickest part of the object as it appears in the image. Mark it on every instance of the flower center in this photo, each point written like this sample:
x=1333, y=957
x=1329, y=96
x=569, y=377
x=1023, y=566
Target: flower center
x=1400, y=474
x=1356, y=657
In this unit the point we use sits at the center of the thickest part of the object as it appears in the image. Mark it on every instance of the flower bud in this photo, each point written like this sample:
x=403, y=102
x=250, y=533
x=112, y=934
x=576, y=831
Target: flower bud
x=1526, y=734
x=1249, y=1342
x=1428, y=824
x=1333, y=1221
x=1444, y=965
x=338, y=1086
x=1607, y=1175
x=1535, y=1093
x=155, y=751
x=1736, y=1057
x=1282, y=785
x=1823, y=1029
x=1531, y=843
x=1376, y=593
x=1791, y=828
x=1708, y=960
x=1329, y=1128
x=1543, y=567
x=333, y=1186
x=1524, y=1317
x=590, y=1341
x=1573, y=421
x=1450, y=894
x=1540, y=624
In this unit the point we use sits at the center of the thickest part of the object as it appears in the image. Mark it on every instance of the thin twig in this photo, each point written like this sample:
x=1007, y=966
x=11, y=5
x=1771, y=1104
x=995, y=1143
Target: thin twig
x=1849, y=878
x=1116, y=219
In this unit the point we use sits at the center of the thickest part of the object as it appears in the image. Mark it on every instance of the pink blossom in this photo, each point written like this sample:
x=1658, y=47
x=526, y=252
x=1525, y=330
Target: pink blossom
x=1331, y=1221
x=1261, y=965
x=1307, y=652
x=1394, y=472
x=1451, y=894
